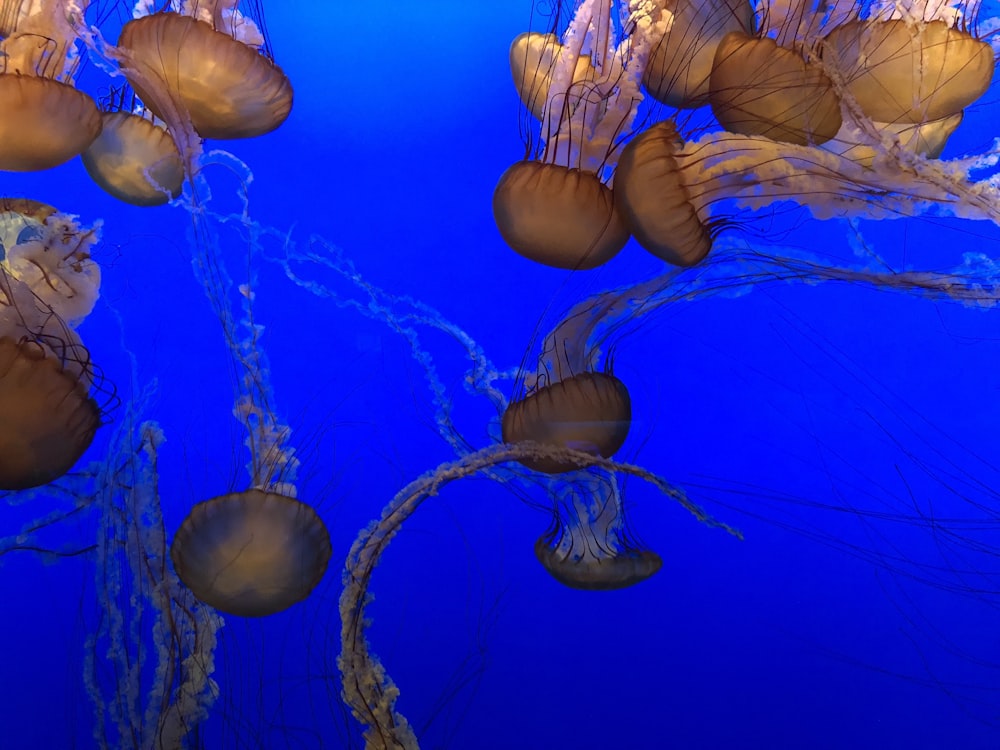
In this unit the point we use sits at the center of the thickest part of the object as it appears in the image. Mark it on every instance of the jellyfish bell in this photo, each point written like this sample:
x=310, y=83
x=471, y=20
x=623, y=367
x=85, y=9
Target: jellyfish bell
x=653, y=194
x=583, y=90
x=251, y=553
x=587, y=546
x=48, y=417
x=135, y=159
x=686, y=35
x=910, y=70
x=589, y=412
x=46, y=120
x=558, y=216
x=760, y=88
x=213, y=66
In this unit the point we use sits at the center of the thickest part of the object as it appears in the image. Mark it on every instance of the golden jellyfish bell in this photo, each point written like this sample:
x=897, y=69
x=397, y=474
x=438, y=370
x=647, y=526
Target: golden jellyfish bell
x=228, y=88
x=48, y=418
x=135, y=160
x=558, y=216
x=654, y=201
x=45, y=122
x=590, y=412
x=903, y=71
x=759, y=88
x=251, y=553
x=680, y=65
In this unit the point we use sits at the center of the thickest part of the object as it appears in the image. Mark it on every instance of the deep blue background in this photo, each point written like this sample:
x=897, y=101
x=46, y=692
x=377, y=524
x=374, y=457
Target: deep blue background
x=795, y=412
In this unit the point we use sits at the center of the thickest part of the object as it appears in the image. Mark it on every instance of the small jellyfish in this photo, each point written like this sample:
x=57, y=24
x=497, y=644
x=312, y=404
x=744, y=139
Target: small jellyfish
x=556, y=209
x=46, y=121
x=46, y=281
x=588, y=546
x=589, y=412
x=214, y=62
x=251, y=553
x=134, y=158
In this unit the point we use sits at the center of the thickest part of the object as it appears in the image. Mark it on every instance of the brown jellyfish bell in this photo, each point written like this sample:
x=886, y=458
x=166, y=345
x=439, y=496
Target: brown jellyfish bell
x=661, y=201
x=46, y=121
x=47, y=417
x=685, y=35
x=556, y=208
x=910, y=67
x=588, y=546
x=589, y=412
x=769, y=82
x=251, y=553
x=134, y=158
x=214, y=64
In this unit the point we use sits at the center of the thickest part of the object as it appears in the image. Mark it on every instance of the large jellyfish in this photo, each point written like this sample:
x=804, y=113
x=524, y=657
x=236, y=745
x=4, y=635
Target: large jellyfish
x=48, y=283
x=555, y=207
x=47, y=121
x=215, y=61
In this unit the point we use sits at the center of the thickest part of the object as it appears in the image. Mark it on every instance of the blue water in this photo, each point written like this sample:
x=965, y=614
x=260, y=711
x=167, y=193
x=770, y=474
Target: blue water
x=848, y=432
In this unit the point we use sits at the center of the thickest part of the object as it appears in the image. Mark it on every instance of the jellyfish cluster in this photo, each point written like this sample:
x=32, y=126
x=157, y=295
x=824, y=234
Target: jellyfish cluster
x=681, y=125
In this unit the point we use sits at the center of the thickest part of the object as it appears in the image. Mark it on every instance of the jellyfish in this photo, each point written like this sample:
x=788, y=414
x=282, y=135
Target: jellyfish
x=590, y=411
x=557, y=209
x=134, y=158
x=684, y=38
x=48, y=283
x=910, y=62
x=46, y=120
x=769, y=82
x=214, y=61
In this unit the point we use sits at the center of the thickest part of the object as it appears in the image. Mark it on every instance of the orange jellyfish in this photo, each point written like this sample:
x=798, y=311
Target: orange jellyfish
x=134, y=158
x=251, y=553
x=588, y=545
x=589, y=412
x=685, y=35
x=46, y=121
x=911, y=62
x=46, y=281
x=770, y=82
x=556, y=208
x=213, y=61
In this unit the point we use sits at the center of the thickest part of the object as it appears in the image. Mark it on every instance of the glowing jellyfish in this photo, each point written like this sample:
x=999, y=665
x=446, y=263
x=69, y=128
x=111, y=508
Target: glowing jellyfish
x=46, y=120
x=557, y=209
x=47, y=283
x=214, y=61
x=134, y=158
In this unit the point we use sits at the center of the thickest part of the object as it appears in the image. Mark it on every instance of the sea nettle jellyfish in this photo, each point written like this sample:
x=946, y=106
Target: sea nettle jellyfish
x=214, y=62
x=555, y=207
x=684, y=37
x=46, y=121
x=769, y=82
x=134, y=158
x=47, y=283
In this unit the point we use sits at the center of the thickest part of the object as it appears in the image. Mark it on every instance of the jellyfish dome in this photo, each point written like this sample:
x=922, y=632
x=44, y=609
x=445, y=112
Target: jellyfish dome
x=46, y=120
x=251, y=553
x=590, y=412
x=135, y=160
x=583, y=88
x=211, y=64
x=49, y=419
